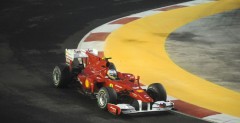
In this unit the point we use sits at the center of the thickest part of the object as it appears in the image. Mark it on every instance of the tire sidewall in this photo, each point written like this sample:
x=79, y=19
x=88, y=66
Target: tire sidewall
x=111, y=97
x=157, y=92
x=56, y=79
x=64, y=76
x=104, y=92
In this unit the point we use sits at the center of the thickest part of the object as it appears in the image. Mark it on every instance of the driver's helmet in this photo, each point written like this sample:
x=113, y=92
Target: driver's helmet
x=112, y=74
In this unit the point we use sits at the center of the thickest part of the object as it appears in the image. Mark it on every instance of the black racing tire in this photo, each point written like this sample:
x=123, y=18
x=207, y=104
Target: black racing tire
x=157, y=92
x=61, y=76
x=106, y=95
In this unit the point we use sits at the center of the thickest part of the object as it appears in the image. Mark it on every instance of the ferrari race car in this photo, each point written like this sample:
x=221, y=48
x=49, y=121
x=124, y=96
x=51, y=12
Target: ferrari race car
x=119, y=93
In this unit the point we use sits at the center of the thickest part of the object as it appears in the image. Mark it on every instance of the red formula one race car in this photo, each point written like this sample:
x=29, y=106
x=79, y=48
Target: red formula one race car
x=119, y=93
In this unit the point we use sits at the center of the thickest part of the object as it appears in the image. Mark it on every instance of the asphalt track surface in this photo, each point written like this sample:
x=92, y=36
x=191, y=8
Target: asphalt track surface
x=33, y=36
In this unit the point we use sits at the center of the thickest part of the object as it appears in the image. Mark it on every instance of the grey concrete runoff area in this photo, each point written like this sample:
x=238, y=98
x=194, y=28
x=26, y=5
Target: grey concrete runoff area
x=209, y=48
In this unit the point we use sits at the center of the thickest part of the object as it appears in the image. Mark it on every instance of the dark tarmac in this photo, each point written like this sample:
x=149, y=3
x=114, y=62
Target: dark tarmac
x=33, y=36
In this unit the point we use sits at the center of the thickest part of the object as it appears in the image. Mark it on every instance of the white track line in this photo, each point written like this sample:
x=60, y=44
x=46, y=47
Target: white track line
x=222, y=118
x=107, y=28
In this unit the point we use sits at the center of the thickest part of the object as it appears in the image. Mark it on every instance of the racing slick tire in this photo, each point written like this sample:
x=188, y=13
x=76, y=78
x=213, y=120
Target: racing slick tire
x=157, y=92
x=106, y=95
x=61, y=76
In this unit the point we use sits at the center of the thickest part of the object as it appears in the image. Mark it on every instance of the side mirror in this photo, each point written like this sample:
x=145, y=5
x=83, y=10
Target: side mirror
x=138, y=78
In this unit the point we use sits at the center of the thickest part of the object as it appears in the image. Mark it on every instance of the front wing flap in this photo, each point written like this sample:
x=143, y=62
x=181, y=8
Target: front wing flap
x=128, y=109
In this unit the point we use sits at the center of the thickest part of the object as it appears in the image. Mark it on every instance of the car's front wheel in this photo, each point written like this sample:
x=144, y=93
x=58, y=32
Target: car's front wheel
x=106, y=95
x=157, y=92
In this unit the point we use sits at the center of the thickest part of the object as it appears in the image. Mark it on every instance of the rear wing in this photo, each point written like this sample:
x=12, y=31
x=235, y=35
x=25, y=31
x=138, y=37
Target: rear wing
x=72, y=54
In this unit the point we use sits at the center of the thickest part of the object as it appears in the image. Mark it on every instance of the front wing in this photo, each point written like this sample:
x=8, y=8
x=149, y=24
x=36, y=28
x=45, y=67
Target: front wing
x=128, y=109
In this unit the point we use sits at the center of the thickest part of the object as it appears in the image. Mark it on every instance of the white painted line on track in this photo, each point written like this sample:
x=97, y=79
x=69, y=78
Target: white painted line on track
x=222, y=118
x=107, y=28
x=195, y=2
x=98, y=45
x=144, y=14
x=171, y=98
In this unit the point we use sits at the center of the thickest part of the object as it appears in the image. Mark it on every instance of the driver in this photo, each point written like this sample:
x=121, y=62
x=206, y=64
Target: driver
x=112, y=74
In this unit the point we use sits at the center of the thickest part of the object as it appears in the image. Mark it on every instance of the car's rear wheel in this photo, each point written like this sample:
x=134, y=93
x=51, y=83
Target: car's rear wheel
x=157, y=92
x=106, y=95
x=61, y=75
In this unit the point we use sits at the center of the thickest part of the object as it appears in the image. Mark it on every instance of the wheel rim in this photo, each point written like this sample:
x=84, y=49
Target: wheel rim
x=56, y=76
x=102, y=99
